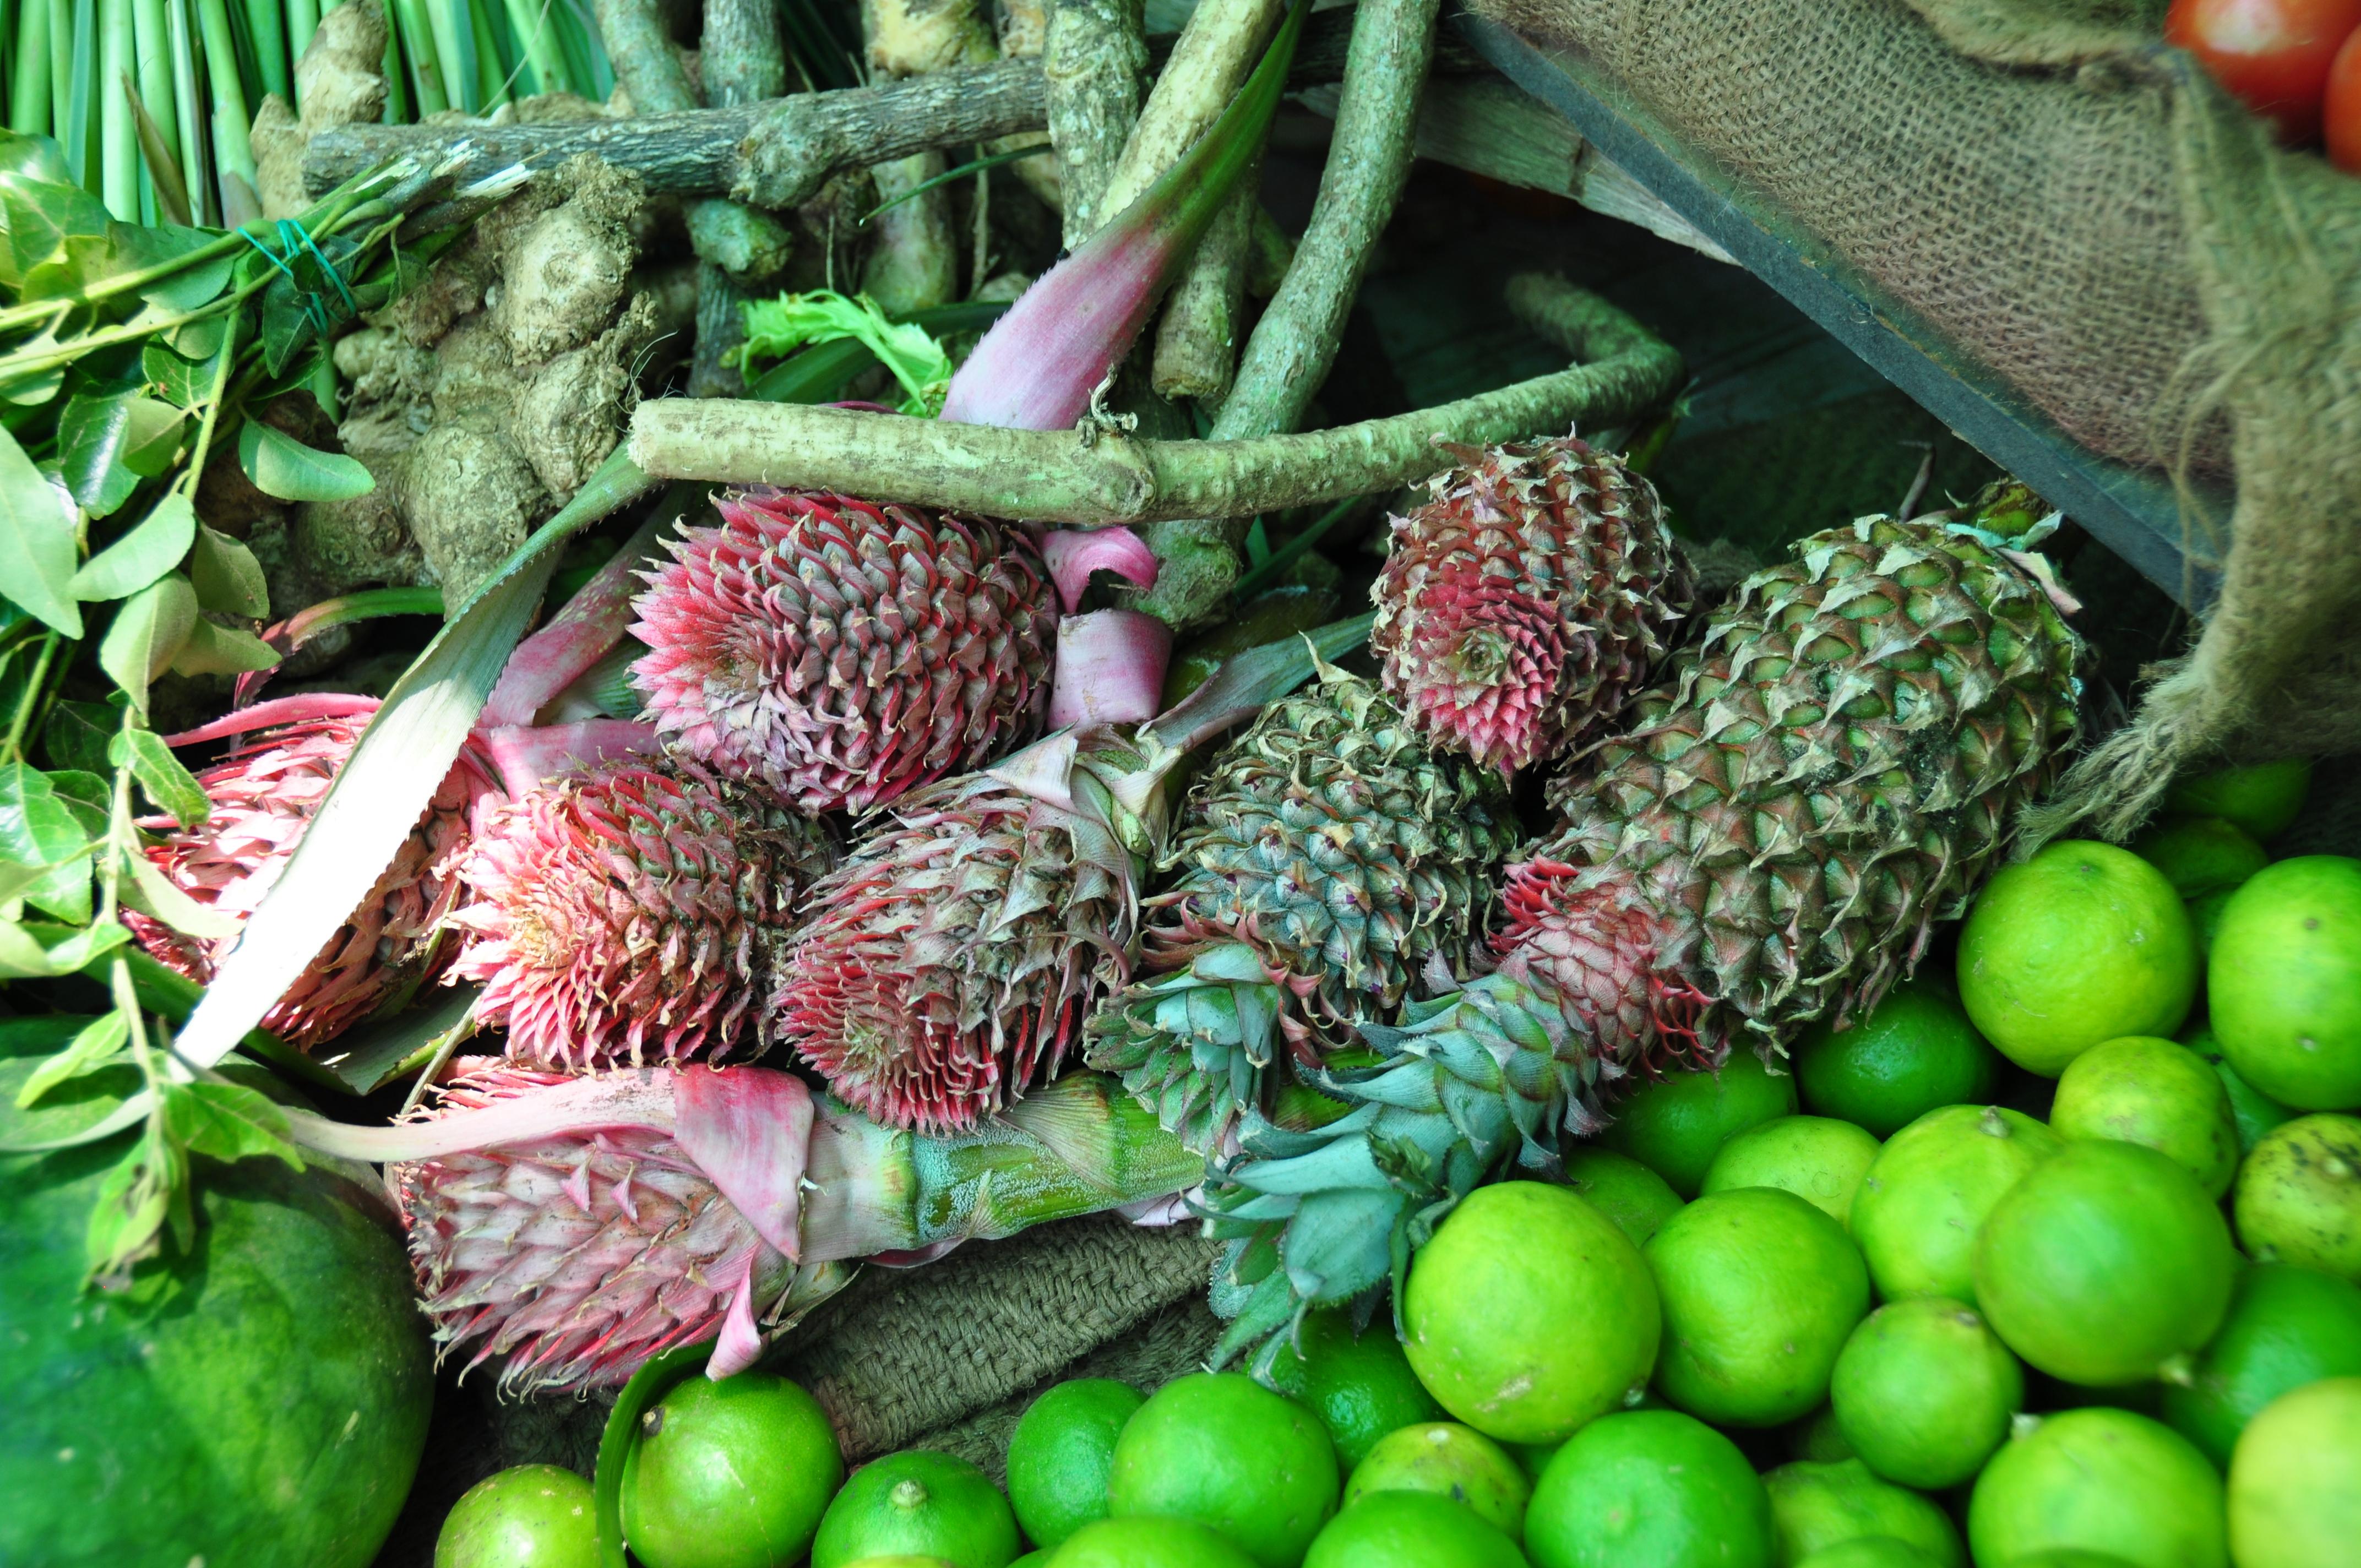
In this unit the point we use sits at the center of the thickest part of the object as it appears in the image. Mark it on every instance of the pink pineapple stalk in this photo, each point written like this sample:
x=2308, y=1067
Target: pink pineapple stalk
x=576, y=1226
x=264, y=794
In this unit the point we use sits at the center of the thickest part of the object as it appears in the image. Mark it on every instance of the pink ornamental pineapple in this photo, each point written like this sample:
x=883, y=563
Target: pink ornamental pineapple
x=632, y=913
x=264, y=795
x=840, y=653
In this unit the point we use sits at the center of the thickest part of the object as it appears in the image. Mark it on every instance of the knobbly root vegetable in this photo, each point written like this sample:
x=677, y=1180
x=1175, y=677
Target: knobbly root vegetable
x=339, y=82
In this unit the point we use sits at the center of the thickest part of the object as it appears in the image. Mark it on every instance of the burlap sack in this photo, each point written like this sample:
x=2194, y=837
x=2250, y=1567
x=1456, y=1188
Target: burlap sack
x=2084, y=211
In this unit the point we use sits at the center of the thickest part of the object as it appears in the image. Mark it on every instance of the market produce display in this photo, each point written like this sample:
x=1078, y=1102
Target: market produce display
x=738, y=660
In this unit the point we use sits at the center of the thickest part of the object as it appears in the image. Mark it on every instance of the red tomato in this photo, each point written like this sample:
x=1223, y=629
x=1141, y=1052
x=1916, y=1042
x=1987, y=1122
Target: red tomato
x=2344, y=106
x=2273, y=55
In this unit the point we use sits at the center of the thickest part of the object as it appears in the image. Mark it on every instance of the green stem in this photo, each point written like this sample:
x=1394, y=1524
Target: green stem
x=419, y=44
x=27, y=704
x=303, y=21
x=61, y=58
x=450, y=67
x=1294, y=550
x=180, y=25
x=233, y=155
x=80, y=133
x=491, y=81
x=396, y=86
x=118, y=145
x=152, y=39
x=537, y=44
x=29, y=84
x=267, y=27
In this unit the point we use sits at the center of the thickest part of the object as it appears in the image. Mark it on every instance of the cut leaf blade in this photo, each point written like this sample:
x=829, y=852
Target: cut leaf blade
x=37, y=542
x=153, y=547
x=284, y=467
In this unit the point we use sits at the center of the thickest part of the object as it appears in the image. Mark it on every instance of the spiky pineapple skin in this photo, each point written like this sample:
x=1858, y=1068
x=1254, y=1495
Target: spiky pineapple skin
x=1832, y=770
x=634, y=913
x=1527, y=601
x=1344, y=857
x=842, y=653
x=263, y=797
x=950, y=959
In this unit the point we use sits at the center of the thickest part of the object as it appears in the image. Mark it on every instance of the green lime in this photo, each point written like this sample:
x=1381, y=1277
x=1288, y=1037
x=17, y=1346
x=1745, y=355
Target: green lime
x=1147, y=1541
x=1760, y=1290
x=2083, y=943
x=1928, y=1192
x=1060, y=1454
x=2068, y=1557
x=2103, y=1480
x=2298, y=1196
x=1923, y=1392
x=1649, y=1486
x=918, y=1503
x=1869, y=1552
x=1913, y=1052
x=1036, y=1558
x=1529, y=1312
x=1814, y=1506
x=2141, y=1089
x=1621, y=1187
x=2201, y=854
x=2105, y=1263
x=2287, y=1327
x=1453, y=1460
x=1819, y=1438
x=1410, y=1529
x=1360, y=1386
x=732, y=1474
x=2284, y=982
x=2262, y=798
x=1818, y=1158
x=532, y=1516
x=1675, y=1125
x=2252, y=1111
x=918, y=1560
x=1221, y=1448
x=2293, y=1501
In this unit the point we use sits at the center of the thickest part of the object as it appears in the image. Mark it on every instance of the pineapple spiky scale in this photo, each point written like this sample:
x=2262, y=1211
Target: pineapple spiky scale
x=1527, y=601
x=1828, y=771
x=1329, y=858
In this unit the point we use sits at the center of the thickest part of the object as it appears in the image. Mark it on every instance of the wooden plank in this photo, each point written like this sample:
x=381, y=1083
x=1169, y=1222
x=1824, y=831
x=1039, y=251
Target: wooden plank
x=2133, y=511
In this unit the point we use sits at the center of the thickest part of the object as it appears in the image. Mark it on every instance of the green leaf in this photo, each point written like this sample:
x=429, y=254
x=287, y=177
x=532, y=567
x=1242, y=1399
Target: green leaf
x=38, y=547
x=227, y=1121
x=154, y=895
x=214, y=650
x=40, y=215
x=193, y=284
x=780, y=326
x=89, y=796
x=201, y=340
x=283, y=466
x=227, y=577
x=28, y=953
x=77, y=734
x=153, y=547
x=92, y=1049
x=287, y=325
x=70, y=1112
x=15, y=877
x=64, y=890
x=37, y=828
x=89, y=438
x=159, y=772
x=32, y=158
x=134, y=1202
x=146, y=635
x=182, y=382
x=88, y=945
x=151, y=440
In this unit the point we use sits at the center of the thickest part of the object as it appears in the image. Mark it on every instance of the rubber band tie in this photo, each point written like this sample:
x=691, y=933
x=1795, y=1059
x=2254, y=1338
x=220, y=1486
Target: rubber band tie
x=292, y=236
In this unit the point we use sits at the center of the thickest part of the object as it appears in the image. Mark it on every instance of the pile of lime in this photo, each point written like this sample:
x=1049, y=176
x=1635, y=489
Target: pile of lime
x=2050, y=1259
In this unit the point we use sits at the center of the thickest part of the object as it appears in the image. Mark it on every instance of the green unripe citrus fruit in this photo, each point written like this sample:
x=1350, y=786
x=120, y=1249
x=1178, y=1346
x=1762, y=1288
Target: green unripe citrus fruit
x=1452, y=1461
x=1147, y=1541
x=2101, y=1480
x=1760, y=1291
x=1360, y=1386
x=2084, y=942
x=1868, y=1552
x=1410, y=1529
x=1649, y=1486
x=920, y=1504
x=2070, y=1557
x=1914, y=1052
x=531, y=1516
x=734, y=1473
x=1923, y=1392
x=2283, y=982
x=1819, y=1438
x=1926, y=1195
x=2140, y=1090
x=1621, y=1187
x=2261, y=798
x=1814, y=1506
x=1061, y=1452
x=1221, y=1448
x=2201, y=854
x=1529, y=1312
x=2293, y=1500
x=2299, y=1197
x=2105, y=1263
x=2251, y=1110
x=1818, y=1158
x=1677, y=1124
x=2287, y=1327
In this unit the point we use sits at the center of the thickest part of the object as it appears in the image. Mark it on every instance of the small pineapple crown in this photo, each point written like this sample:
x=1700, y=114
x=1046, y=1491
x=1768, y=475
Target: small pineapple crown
x=263, y=796
x=842, y=653
x=632, y=913
x=579, y=1226
x=1524, y=603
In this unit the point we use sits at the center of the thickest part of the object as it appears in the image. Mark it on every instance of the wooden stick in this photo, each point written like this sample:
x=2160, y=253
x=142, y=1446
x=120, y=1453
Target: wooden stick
x=1097, y=478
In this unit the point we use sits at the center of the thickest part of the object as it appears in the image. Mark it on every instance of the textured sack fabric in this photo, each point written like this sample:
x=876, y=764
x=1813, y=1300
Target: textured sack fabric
x=2084, y=211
